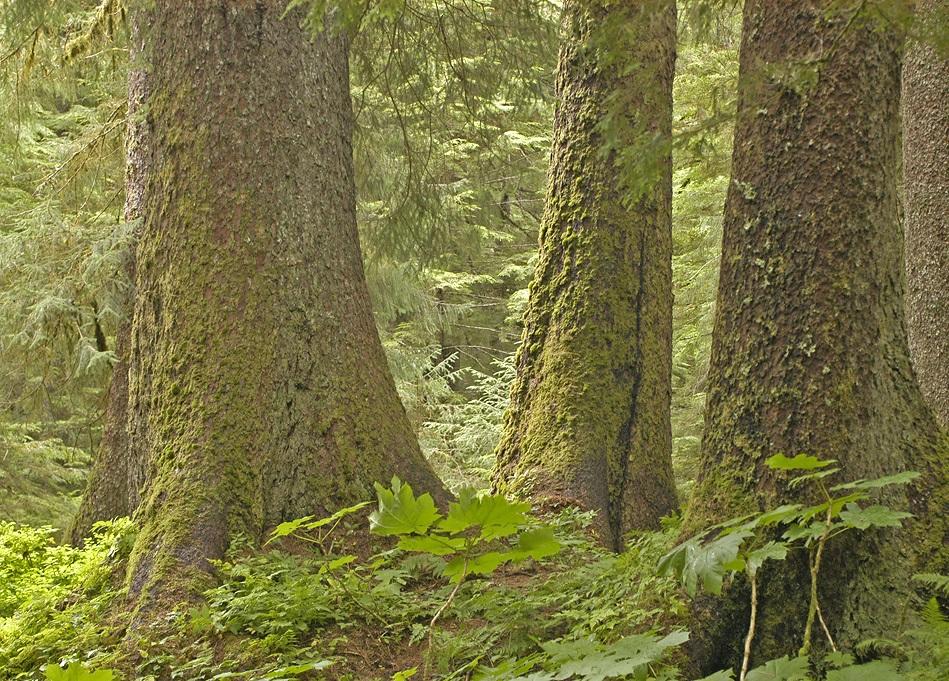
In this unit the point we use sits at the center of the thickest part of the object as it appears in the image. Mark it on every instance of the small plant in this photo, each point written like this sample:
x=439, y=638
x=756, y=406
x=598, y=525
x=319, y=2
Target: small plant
x=745, y=544
x=478, y=535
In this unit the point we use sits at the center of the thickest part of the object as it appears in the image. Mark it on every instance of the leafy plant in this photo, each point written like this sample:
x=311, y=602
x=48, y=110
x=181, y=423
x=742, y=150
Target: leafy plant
x=478, y=535
x=745, y=544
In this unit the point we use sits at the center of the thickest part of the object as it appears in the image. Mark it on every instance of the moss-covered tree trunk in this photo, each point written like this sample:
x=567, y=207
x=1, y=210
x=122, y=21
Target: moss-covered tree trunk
x=809, y=349
x=110, y=493
x=589, y=417
x=258, y=388
x=926, y=209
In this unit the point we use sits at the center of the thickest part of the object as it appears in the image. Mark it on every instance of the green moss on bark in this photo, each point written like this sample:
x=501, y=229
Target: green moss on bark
x=589, y=417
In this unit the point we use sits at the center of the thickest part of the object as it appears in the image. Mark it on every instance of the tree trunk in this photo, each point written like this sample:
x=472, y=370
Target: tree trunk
x=258, y=388
x=111, y=491
x=926, y=201
x=809, y=349
x=589, y=419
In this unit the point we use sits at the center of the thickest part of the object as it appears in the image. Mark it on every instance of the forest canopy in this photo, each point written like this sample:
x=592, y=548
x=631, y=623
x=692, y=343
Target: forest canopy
x=514, y=340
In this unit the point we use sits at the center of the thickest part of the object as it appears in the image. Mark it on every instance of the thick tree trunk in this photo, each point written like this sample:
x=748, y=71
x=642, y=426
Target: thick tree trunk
x=926, y=210
x=258, y=388
x=589, y=417
x=111, y=491
x=809, y=350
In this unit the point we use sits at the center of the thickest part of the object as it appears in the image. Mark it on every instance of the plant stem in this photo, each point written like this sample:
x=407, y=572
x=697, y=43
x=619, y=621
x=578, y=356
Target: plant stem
x=751, y=628
x=431, y=625
x=813, y=608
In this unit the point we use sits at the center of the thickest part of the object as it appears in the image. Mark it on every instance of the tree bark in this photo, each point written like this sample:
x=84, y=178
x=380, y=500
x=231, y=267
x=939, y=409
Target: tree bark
x=111, y=491
x=926, y=212
x=258, y=387
x=589, y=421
x=809, y=348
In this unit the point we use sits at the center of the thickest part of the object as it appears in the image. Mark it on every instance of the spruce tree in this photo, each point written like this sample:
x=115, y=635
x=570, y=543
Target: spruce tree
x=589, y=418
x=257, y=387
x=809, y=349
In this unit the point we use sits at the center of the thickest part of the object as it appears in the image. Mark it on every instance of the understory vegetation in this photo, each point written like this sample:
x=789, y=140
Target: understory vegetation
x=452, y=105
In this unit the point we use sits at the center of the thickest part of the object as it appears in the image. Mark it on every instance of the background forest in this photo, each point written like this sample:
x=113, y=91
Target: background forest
x=453, y=110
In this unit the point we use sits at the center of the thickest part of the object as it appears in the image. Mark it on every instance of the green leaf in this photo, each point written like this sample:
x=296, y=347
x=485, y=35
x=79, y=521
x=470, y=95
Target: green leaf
x=872, y=516
x=770, y=551
x=878, y=670
x=801, y=462
x=340, y=514
x=405, y=674
x=724, y=675
x=288, y=528
x=297, y=669
x=400, y=512
x=494, y=514
x=775, y=516
x=537, y=544
x=77, y=672
x=782, y=669
x=838, y=659
x=895, y=479
x=801, y=479
x=434, y=544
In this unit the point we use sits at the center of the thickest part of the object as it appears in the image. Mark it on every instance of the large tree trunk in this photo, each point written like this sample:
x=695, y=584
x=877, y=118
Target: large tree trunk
x=926, y=200
x=111, y=491
x=258, y=388
x=809, y=349
x=589, y=417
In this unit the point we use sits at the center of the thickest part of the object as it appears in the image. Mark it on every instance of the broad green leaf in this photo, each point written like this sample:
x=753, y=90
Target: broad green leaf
x=405, y=674
x=339, y=515
x=872, y=516
x=537, y=543
x=488, y=562
x=77, y=672
x=724, y=675
x=878, y=670
x=297, y=669
x=801, y=479
x=288, y=528
x=808, y=533
x=709, y=561
x=494, y=514
x=775, y=516
x=400, y=512
x=770, y=551
x=434, y=544
x=801, y=462
x=838, y=658
x=895, y=479
x=782, y=669
x=339, y=562
x=628, y=656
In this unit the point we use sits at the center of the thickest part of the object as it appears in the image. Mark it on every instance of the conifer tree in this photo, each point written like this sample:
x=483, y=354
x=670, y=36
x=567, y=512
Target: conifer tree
x=257, y=387
x=589, y=418
x=809, y=349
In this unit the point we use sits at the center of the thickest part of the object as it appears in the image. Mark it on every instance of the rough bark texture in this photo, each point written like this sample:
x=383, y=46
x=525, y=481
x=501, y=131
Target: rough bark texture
x=258, y=388
x=110, y=492
x=589, y=417
x=809, y=349
x=926, y=212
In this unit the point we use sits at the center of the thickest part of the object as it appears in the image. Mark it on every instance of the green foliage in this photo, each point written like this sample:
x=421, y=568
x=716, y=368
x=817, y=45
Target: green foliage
x=54, y=599
x=77, y=672
x=466, y=535
x=630, y=657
